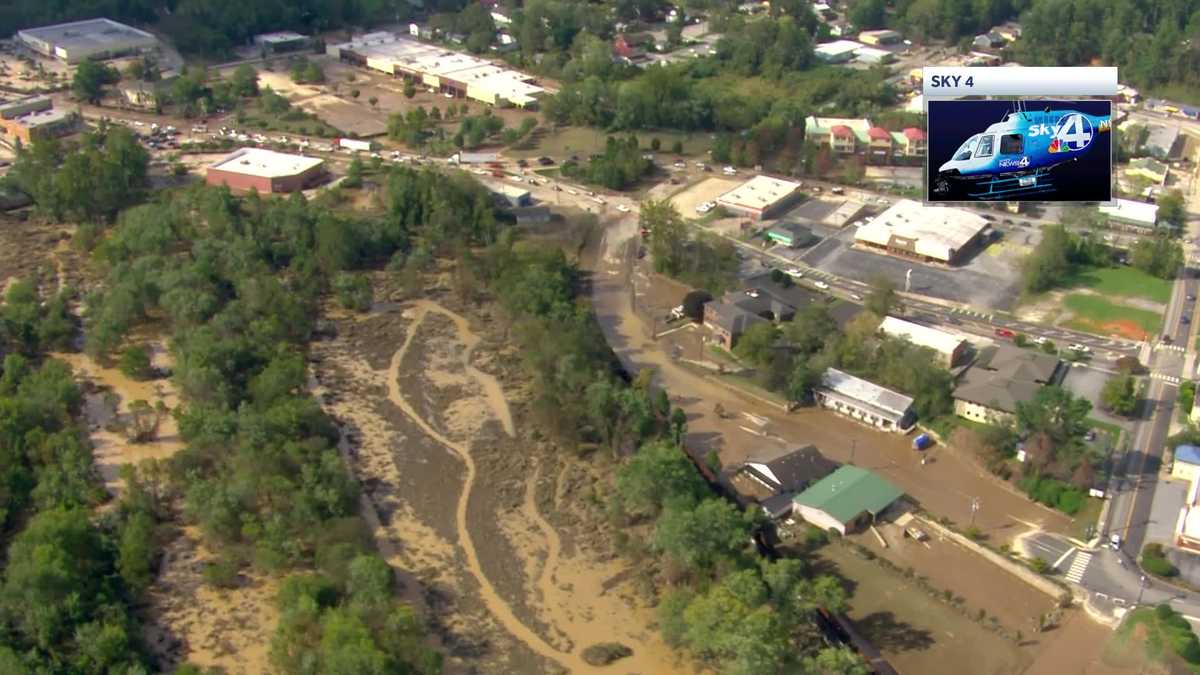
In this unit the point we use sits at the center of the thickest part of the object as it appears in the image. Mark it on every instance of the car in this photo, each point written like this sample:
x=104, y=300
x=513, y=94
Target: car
x=1076, y=347
x=680, y=164
x=837, y=190
x=821, y=285
x=1090, y=435
x=522, y=163
x=1167, y=339
x=1191, y=297
x=675, y=314
x=752, y=292
x=1185, y=319
x=817, y=189
x=623, y=208
x=703, y=208
x=856, y=296
x=729, y=171
x=915, y=533
x=599, y=200
x=571, y=192
x=1114, y=541
x=545, y=161
x=794, y=272
x=1005, y=333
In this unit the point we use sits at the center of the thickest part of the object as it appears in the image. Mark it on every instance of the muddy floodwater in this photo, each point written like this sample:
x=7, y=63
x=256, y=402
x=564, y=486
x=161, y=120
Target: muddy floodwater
x=466, y=503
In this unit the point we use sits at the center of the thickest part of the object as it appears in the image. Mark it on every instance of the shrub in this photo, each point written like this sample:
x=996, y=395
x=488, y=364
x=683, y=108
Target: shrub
x=1154, y=562
x=353, y=291
x=135, y=363
x=1070, y=501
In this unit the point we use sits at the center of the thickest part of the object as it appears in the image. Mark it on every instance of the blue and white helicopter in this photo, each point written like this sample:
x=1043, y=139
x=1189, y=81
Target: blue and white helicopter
x=1014, y=157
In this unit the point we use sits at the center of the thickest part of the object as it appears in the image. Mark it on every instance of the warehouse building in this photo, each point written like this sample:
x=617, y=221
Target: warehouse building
x=454, y=73
x=949, y=348
x=1130, y=215
x=97, y=39
x=874, y=56
x=761, y=197
x=865, y=401
x=34, y=118
x=846, y=500
x=838, y=51
x=879, y=37
x=931, y=234
x=266, y=171
x=1149, y=168
x=282, y=41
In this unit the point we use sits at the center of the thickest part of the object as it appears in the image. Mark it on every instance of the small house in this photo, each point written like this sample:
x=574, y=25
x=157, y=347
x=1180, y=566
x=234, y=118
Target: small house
x=773, y=479
x=1186, y=463
x=846, y=500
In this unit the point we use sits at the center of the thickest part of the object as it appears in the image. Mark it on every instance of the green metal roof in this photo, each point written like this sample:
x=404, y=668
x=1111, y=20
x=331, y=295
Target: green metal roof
x=848, y=492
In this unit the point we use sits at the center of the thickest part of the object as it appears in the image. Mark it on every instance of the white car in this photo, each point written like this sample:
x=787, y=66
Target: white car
x=703, y=208
x=821, y=285
x=856, y=296
x=623, y=208
x=1076, y=347
x=752, y=292
x=680, y=164
x=794, y=272
x=1039, y=340
x=571, y=192
x=729, y=171
x=598, y=200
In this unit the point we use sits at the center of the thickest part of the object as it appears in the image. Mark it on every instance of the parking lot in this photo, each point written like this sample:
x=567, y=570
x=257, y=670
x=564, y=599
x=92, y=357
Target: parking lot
x=706, y=190
x=986, y=281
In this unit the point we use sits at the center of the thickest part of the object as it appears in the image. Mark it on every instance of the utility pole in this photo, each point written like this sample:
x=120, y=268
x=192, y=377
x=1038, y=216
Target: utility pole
x=1141, y=588
x=974, y=509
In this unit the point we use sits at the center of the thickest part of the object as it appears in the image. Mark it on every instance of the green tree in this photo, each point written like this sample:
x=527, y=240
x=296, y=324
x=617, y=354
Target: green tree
x=135, y=363
x=245, y=80
x=1159, y=256
x=882, y=296
x=658, y=473
x=90, y=78
x=700, y=536
x=1120, y=394
x=757, y=344
x=867, y=14
x=1171, y=208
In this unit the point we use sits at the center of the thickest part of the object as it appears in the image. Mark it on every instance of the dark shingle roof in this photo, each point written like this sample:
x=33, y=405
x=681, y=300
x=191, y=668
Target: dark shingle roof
x=1002, y=377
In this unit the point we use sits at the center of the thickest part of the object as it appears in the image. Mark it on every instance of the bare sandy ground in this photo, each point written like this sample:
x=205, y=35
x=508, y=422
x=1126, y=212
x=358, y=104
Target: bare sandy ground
x=542, y=597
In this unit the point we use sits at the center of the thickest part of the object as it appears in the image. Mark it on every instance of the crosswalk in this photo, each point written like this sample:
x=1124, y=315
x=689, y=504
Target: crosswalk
x=1174, y=348
x=1078, y=567
x=1169, y=379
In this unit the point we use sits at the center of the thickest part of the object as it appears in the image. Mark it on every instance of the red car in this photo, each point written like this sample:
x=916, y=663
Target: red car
x=1005, y=333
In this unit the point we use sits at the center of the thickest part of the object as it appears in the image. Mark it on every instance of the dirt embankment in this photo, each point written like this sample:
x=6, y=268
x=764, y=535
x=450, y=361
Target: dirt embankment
x=474, y=499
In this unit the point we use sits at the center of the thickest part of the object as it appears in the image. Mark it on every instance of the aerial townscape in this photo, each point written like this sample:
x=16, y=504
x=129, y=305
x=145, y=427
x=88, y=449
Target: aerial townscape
x=510, y=337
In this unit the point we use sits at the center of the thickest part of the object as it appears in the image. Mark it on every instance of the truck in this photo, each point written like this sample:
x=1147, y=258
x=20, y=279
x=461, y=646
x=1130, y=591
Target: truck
x=922, y=441
x=353, y=144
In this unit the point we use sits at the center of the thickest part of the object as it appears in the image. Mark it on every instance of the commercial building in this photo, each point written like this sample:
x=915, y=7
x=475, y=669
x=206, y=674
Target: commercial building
x=1002, y=378
x=266, y=171
x=1131, y=215
x=932, y=234
x=1162, y=141
x=772, y=479
x=873, y=55
x=1187, y=528
x=879, y=37
x=34, y=118
x=449, y=72
x=846, y=500
x=838, y=51
x=1149, y=168
x=949, y=348
x=865, y=401
x=791, y=235
x=97, y=39
x=512, y=195
x=761, y=197
x=282, y=41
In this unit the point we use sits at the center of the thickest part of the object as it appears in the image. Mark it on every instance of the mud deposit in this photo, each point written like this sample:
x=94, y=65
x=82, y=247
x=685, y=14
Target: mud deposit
x=482, y=517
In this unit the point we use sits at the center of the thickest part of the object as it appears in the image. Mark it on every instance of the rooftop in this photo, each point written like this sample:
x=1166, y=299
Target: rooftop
x=937, y=231
x=1189, y=454
x=1003, y=377
x=858, y=389
x=730, y=316
x=837, y=48
x=849, y=492
x=760, y=192
x=1133, y=212
x=88, y=35
x=824, y=124
x=280, y=36
x=265, y=163
x=43, y=117
x=922, y=336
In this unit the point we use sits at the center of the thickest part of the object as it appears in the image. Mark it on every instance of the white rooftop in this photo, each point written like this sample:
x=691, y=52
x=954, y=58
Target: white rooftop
x=922, y=336
x=837, y=48
x=265, y=163
x=871, y=52
x=938, y=231
x=870, y=393
x=89, y=35
x=759, y=192
x=812, y=124
x=1136, y=212
x=280, y=36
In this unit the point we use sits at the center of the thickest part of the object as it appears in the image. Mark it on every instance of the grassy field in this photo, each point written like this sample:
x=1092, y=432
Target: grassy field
x=585, y=141
x=1086, y=517
x=915, y=632
x=1126, y=282
x=1095, y=314
x=1144, y=636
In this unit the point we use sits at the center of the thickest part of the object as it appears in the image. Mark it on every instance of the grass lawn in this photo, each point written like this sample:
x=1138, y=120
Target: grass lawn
x=1125, y=281
x=1098, y=315
x=915, y=632
x=293, y=121
x=584, y=141
x=1109, y=428
x=1086, y=517
x=1144, y=636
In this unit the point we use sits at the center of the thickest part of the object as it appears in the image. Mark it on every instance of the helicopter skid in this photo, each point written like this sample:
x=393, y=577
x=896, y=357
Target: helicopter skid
x=1013, y=186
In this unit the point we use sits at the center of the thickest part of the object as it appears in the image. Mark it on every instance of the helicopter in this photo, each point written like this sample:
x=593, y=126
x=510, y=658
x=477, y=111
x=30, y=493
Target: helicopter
x=1014, y=157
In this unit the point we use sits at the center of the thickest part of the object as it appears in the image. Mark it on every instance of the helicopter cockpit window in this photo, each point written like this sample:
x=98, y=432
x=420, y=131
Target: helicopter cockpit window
x=1012, y=144
x=965, y=150
x=986, y=146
